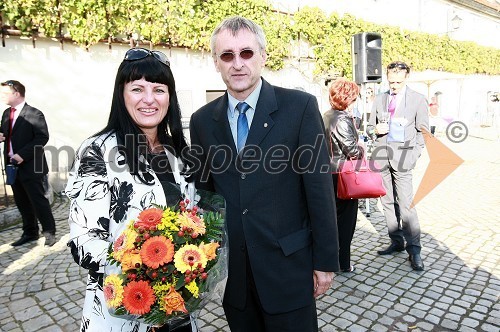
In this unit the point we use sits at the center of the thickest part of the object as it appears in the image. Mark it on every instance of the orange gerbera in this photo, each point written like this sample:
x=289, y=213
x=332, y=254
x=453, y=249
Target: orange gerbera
x=138, y=297
x=174, y=302
x=189, y=256
x=149, y=218
x=157, y=251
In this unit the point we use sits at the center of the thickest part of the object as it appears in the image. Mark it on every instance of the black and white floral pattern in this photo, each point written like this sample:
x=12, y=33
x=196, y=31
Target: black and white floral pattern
x=104, y=198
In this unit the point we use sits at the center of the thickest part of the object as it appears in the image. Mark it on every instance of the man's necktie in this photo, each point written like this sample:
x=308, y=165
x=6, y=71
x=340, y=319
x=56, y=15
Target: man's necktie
x=242, y=130
x=392, y=105
x=11, y=125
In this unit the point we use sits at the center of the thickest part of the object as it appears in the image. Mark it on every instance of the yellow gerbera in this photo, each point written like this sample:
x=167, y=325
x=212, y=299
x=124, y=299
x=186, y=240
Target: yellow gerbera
x=124, y=243
x=113, y=291
x=189, y=256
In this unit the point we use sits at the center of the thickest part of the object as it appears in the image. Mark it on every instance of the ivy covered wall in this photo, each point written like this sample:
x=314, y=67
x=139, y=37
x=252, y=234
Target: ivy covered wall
x=189, y=23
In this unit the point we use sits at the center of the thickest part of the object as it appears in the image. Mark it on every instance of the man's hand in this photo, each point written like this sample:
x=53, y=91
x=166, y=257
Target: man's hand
x=17, y=158
x=322, y=282
x=2, y=137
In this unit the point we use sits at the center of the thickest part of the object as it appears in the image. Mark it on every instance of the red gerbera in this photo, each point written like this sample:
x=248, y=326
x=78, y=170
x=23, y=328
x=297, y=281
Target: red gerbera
x=149, y=218
x=157, y=251
x=138, y=297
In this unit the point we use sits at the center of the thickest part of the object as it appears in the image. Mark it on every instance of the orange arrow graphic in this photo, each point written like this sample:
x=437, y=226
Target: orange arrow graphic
x=442, y=162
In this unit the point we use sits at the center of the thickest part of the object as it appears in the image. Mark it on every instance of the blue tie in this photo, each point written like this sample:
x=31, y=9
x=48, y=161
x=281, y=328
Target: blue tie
x=242, y=130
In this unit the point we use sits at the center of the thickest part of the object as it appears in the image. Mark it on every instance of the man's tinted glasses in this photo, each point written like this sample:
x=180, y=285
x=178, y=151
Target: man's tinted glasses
x=229, y=56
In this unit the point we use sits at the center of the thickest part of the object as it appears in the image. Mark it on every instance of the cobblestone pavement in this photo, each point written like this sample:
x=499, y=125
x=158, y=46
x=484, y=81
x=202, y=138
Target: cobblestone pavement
x=41, y=289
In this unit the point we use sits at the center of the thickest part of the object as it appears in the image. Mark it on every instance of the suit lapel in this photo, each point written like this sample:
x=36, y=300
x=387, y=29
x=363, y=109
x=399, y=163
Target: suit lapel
x=20, y=117
x=5, y=121
x=222, y=131
x=262, y=121
x=385, y=102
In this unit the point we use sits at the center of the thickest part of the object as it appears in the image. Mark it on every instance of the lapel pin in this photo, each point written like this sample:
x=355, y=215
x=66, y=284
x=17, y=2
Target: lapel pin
x=265, y=125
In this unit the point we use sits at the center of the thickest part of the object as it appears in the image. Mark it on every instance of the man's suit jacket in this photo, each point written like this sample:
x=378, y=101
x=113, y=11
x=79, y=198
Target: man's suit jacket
x=281, y=214
x=29, y=135
x=401, y=155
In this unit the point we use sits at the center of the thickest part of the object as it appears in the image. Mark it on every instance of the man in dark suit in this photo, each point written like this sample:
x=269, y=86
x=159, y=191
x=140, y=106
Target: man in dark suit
x=25, y=133
x=397, y=119
x=262, y=147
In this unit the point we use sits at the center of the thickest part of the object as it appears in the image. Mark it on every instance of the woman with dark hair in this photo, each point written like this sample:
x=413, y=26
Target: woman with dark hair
x=125, y=168
x=343, y=145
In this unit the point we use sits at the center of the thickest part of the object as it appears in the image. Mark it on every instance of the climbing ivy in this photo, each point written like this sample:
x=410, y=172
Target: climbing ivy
x=189, y=23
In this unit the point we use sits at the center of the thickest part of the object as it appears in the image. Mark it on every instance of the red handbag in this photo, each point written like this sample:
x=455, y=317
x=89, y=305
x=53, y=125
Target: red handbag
x=357, y=180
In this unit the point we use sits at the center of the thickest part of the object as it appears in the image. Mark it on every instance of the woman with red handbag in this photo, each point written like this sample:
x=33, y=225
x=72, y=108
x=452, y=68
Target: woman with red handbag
x=343, y=144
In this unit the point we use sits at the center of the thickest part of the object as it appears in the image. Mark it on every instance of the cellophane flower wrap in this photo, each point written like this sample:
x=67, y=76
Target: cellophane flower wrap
x=168, y=262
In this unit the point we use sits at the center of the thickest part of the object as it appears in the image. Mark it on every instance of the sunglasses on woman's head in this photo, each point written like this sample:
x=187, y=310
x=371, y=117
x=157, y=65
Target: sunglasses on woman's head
x=229, y=56
x=139, y=53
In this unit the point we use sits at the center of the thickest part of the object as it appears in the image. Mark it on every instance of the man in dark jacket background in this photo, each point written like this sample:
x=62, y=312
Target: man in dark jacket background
x=25, y=132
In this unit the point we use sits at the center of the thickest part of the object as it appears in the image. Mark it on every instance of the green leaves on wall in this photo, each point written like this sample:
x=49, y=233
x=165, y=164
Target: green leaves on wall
x=189, y=23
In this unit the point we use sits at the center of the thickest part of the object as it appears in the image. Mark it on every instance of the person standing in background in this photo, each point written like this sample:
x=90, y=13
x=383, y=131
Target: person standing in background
x=433, y=114
x=370, y=97
x=356, y=110
x=343, y=139
x=280, y=215
x=25, y=133
x=365, y=115
x=397, y=119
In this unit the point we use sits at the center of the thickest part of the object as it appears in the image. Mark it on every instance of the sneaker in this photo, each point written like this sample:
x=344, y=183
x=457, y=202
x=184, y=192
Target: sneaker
x=50, y=239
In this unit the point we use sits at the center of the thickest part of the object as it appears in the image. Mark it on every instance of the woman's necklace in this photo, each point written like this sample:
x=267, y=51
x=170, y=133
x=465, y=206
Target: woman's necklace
x=156, y=146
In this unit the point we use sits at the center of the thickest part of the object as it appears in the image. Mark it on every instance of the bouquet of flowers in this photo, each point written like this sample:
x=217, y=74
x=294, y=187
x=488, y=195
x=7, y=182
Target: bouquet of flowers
x=164, y=264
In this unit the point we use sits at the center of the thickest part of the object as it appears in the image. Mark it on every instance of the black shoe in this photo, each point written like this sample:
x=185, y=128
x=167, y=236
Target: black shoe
x=391, y=249
x=351, y=268
x=416, y=262
x=24, y=239
x=50, y=239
